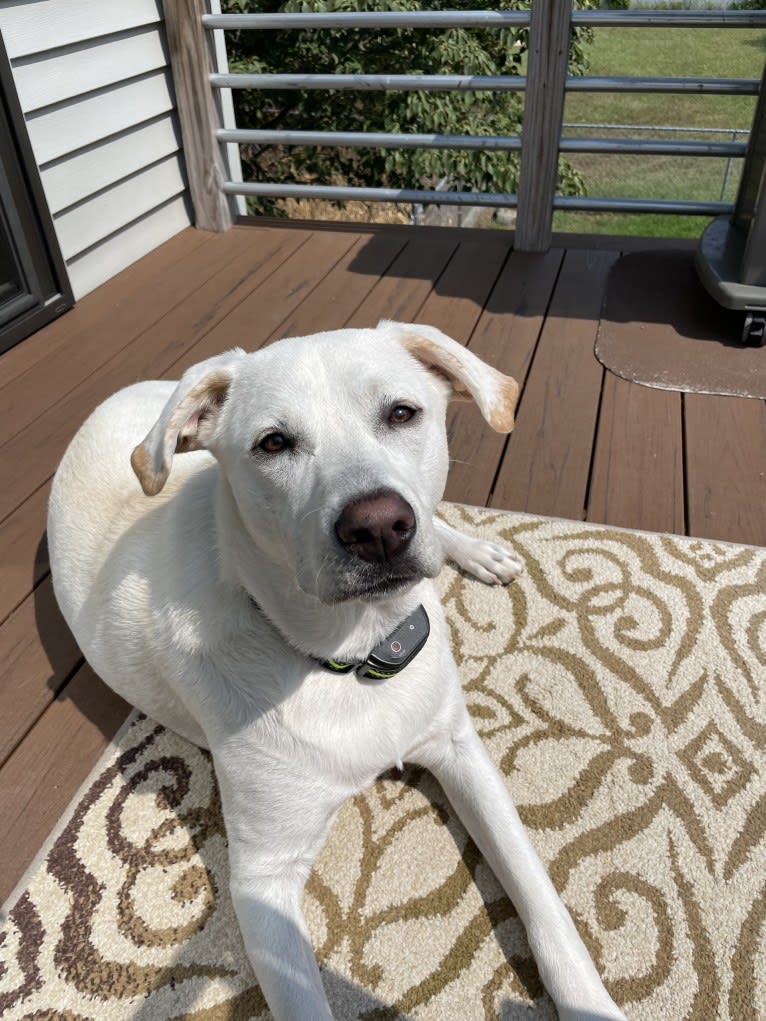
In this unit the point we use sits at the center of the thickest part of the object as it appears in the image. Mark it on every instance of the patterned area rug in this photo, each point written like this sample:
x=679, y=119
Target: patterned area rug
x=618, y=685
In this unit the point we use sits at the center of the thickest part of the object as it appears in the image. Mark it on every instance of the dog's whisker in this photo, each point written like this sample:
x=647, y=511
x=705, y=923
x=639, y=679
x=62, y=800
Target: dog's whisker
x=314, y=510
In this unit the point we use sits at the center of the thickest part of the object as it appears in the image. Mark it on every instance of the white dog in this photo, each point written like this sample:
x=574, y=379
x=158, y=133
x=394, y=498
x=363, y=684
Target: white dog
x=271, y=602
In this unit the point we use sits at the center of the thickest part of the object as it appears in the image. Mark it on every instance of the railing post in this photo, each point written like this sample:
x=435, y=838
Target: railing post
x=190, y=60
x=549, y=32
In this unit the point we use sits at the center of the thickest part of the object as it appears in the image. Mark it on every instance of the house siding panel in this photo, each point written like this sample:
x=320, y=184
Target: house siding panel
x=94, y=83
x=33, y=27
x=120, y=250
x=76, y=176
x=94, y=118
x=57, y=75
x=105, y=213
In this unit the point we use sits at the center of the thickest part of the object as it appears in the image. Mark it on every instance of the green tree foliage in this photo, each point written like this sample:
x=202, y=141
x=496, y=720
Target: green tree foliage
x=471, y=51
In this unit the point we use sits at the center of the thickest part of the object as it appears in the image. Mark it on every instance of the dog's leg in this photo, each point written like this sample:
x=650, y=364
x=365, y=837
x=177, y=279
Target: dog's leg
x=277, y=815
x=269, y=912
x=478, y=793
x=488, y=561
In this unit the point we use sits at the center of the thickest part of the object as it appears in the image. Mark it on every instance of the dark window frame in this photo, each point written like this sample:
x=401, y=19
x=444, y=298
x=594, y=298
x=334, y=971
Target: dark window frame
x=26, y=226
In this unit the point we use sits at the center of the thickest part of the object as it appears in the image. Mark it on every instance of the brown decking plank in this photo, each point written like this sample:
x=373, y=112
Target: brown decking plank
x=261, y=312
x=39, y=780
x=32, y=457
x=38, y=654
x=345, y=287
x=505, y=336
x=638, y=478
x=116, y=295
x=455, y=304
x=400, y=294
x=621, y=242
x=23, y=551
x=547, y=462
x=91, y=334
x=726, y=468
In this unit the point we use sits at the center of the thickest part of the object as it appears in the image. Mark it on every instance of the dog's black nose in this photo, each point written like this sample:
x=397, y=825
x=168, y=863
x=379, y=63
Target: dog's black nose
x=376, y=528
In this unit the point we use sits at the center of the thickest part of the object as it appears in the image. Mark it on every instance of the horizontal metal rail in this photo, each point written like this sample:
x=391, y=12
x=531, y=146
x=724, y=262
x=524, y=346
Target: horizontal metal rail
x=370, y=19
x=477, y=83
x=409, y=196
x=372, y=82
x=595, y=204
x=370, y=139
x=708, y=86
x=344, y=193
x=669, y=19
x=653, y=147
x=486, y=143
x=688, y=130
x=485, y=19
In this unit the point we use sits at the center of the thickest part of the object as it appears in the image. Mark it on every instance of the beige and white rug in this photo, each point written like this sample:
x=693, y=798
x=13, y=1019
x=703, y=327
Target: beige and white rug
x=619, y=685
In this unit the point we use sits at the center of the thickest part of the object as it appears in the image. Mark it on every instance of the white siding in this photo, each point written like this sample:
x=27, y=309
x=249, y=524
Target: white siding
x=94, y=83
x=91, y=268
x=72, y=71
x=31, y=26
x=77, y=176
x=62, y=131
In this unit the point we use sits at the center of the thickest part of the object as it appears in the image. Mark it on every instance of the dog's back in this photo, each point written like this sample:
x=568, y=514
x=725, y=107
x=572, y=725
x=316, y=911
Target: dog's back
x=102, y=532
x=93, y=490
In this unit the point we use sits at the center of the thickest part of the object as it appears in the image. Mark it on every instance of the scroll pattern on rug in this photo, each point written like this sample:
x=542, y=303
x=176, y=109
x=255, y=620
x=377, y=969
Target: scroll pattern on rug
x=619, y=687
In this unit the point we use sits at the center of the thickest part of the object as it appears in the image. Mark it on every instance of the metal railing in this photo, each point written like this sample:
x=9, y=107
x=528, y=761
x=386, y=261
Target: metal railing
x=540, y=142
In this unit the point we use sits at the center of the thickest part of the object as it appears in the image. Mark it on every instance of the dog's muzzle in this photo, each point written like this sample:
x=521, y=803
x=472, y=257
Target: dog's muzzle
x=376, y=528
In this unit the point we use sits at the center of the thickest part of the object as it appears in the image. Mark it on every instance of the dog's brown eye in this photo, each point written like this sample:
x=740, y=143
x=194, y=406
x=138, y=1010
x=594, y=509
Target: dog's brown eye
x=274, y=443
x=400, y=414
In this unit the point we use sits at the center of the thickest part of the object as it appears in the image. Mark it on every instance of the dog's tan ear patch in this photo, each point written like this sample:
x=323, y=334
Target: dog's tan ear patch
x=502, y=414
x=495, y=393
x=151, y=480
x=187, y=421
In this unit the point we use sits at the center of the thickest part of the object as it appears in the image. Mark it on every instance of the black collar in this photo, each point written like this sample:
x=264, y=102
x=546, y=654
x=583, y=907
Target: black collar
x=389, y=657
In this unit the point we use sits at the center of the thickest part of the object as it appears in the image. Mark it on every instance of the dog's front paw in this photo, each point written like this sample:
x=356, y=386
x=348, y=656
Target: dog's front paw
x=490, y=562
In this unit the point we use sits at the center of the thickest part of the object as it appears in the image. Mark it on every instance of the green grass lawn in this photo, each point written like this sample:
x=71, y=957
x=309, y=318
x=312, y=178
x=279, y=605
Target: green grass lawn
x=672, y=52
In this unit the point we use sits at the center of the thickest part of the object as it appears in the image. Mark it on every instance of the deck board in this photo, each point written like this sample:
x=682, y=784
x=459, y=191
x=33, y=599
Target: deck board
x=259, y=313
x=344, y=289
x=637, y=478
x=506, y=336
x=39, y=655
x=147, y=356
x=726, y=467
x=24, y=550
x=119, y=296
x=39, y=780
x=457, y=299
x=587, y=445
x=547, y=462
x=89, y=338
x=404, y=287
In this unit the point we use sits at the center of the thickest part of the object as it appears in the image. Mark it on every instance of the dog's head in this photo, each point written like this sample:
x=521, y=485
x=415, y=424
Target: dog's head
x=334, y=447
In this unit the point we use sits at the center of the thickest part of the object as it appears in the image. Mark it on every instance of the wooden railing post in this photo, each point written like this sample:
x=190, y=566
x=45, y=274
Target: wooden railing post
x=190, y=60
x=549, y=32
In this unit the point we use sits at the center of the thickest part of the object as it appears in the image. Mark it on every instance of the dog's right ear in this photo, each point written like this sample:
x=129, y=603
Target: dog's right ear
x=187, y=421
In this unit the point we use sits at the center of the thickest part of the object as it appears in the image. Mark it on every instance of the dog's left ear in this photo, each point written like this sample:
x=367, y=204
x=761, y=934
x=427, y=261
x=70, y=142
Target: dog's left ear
x=470, y=377
x=187, y=421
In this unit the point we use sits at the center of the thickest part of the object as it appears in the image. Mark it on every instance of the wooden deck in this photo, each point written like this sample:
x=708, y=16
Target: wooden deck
x=587, y=444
